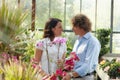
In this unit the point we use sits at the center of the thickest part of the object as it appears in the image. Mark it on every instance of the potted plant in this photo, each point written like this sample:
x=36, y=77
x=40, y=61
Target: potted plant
x=112, y=68
x=11, y=25
x=15, y=69
x=103, y=36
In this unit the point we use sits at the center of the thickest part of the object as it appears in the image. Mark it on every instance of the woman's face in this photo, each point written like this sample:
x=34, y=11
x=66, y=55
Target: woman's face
x=58, y=29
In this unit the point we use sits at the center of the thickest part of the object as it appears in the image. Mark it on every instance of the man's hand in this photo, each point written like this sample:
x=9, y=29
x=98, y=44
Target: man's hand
x=67, y=77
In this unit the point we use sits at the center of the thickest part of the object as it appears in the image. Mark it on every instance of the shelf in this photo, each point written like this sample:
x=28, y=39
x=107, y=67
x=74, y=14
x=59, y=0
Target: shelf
x=102, y=74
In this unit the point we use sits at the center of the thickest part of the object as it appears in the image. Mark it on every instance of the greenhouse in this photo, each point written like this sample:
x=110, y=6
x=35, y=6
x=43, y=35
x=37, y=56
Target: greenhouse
x=59, y=40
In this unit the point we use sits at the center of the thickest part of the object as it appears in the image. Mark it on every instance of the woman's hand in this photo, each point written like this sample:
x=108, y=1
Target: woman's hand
x=60, y=63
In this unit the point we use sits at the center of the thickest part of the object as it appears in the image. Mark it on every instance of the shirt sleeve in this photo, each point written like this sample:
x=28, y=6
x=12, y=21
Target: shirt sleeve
x=39, y=44
x=91, y=59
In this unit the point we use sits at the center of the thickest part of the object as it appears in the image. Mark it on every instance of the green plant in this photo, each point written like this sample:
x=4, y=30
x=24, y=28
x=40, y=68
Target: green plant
x=112, y=68
x=103, y=36
x=69, y=48
x=29, y=39
x=11, y=25
x=106, y=63
x=29, y=53
x=18, y=70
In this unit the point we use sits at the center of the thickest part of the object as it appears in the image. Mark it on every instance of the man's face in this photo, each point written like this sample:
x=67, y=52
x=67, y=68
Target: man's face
x=76, y=30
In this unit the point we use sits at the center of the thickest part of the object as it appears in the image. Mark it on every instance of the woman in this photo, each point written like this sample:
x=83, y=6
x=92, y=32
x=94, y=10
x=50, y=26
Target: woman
x=47, y=54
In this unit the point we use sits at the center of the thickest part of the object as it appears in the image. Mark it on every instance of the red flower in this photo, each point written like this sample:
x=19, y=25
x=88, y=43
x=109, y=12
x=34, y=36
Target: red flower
x=119, y=69
x=69, y=63
x=53, y=77
x=74, y=56
x=59, y=72
x=64, y=73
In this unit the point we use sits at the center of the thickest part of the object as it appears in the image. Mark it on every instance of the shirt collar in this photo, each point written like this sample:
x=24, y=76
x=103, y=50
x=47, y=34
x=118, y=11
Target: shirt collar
x=87, y=35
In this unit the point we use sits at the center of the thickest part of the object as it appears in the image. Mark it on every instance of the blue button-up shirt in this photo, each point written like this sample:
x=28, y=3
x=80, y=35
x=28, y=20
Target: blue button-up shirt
x=87, y=49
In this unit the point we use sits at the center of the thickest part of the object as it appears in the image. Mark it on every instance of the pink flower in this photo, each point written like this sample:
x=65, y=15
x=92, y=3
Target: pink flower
x=40, y=44
x=14, y=58
x=34, y=65
x=59, y=72
x=74, y=56
x=106, y=68
x=59, y=40
x=53, y=77
x=69, y=64
x=5, y=55
x=64, y=74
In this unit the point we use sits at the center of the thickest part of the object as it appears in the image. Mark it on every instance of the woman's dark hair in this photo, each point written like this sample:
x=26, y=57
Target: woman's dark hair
x=50, y=24
x=82, y=21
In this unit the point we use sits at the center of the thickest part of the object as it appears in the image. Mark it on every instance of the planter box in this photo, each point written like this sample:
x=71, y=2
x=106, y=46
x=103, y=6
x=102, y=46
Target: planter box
x=102, y=74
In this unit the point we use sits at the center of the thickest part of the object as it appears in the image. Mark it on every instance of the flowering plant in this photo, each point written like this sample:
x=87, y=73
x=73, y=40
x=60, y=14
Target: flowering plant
x=69, y=63
x=67, y=66
x=112, y=68
x=59, y=73
x=58, y=41
x=15, y=69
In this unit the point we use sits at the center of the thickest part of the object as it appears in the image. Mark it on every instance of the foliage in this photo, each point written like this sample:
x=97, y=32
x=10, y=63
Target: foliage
x=112, y=68
x=103, y=36
x=70, y=42
x=28, y=40
x=114, y=71
x=27, y=44
x=14, y=36
x=18, y=70
x=106, y=63
x=29, y=52
x=11, y=25
x=69, y=48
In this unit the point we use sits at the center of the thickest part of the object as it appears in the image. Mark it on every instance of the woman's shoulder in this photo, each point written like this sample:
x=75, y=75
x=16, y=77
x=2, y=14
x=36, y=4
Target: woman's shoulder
x=43, y=39
x=41, y=42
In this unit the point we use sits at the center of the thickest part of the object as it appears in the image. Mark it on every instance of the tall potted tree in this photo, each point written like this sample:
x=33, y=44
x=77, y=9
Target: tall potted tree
x=103, y=36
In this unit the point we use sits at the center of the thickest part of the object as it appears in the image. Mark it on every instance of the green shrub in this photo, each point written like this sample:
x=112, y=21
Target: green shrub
x=103, y=36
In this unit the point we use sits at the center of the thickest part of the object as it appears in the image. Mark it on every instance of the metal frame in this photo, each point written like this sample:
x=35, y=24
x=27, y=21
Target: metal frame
x=111, y=21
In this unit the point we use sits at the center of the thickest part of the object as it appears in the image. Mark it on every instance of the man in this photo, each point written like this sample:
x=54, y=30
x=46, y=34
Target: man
x=87, y=48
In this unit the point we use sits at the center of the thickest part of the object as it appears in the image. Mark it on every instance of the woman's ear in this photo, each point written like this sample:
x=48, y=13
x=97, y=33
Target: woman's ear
x=53, y=29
